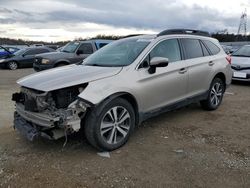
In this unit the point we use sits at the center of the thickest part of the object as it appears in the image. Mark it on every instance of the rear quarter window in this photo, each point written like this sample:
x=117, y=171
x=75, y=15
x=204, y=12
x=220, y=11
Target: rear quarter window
x=213, y=48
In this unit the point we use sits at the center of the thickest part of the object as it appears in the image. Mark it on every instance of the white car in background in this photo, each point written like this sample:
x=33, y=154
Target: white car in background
x=241, y=64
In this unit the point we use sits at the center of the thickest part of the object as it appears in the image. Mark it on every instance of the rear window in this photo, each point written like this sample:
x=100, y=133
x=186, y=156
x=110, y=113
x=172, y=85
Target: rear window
x=102, y=45
x=192, y=48
x=212, y=47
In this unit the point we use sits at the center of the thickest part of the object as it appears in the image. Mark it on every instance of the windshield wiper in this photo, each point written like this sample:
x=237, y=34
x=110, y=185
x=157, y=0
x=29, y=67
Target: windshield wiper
x=96, y=65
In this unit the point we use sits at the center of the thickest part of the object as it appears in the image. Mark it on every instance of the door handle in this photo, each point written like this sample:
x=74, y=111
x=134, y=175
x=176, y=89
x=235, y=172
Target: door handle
x=182, y=70
x=210, y=63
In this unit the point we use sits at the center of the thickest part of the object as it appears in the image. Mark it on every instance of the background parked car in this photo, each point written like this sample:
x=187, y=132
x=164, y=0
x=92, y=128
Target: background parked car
x=73, y=52
x=4, y=52
x=12, y=49
x=241, y=64
x=23, y=58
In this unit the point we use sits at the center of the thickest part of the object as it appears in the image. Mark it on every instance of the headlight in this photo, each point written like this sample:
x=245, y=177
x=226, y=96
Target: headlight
x=2, y=60
x=45, y=61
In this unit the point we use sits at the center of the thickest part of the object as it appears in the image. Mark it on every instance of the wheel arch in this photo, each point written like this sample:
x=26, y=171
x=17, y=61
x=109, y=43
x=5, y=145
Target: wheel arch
x=128, y=97
x=62, y=61
x=222, y=76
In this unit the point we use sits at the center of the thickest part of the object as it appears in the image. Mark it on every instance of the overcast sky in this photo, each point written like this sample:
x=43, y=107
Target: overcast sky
x=52, y=20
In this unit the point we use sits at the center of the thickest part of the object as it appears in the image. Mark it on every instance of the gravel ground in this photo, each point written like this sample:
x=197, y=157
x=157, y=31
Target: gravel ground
x=185, y=148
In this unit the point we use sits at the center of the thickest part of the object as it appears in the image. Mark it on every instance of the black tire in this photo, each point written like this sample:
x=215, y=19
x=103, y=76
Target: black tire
x=215, y=96
x=60, y=64
x=12, y=65
x=96, y=118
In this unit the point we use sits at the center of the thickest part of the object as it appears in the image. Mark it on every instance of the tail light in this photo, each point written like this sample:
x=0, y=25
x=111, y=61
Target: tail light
x=229, y=59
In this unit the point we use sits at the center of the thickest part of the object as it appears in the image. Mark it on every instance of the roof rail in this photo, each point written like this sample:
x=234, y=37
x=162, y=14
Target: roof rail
x=184, y=31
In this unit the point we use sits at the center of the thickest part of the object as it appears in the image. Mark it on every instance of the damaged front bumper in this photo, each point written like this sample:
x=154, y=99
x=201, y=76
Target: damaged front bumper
x=50, y=125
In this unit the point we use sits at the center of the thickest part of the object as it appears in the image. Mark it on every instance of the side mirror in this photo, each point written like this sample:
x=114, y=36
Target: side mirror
x=157, y=62
x=78, y=52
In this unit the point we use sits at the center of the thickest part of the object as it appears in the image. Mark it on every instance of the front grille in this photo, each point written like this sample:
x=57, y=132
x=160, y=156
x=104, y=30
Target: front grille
x=38, y=61
x=239, y=68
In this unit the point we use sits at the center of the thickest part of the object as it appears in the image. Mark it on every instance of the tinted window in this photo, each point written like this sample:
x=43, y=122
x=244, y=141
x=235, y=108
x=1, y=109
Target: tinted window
x=102, y=44
x=192, y=48
x=204, y=49
x=86, y=48
x=169, y=49
x=36, y=51
x=212, y=47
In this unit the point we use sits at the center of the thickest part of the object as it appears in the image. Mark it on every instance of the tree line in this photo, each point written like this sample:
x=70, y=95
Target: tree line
x=220, y=37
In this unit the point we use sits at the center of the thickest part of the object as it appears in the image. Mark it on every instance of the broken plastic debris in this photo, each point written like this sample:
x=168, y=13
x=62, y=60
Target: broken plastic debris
x=104, y=154
x=178, y=151
x=229, y=93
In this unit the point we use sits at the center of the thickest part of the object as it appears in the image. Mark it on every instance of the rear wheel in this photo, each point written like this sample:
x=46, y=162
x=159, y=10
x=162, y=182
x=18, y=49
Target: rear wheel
x=109, y=127
x=215, y=95
x=12, y=65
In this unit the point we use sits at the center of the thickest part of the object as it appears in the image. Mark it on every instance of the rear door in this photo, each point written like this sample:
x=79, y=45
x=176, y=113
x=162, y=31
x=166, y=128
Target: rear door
x=168, y=84
x=199, y=64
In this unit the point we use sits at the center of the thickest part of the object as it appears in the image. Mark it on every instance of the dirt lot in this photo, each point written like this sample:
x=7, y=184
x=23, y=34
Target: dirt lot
x=186, y=148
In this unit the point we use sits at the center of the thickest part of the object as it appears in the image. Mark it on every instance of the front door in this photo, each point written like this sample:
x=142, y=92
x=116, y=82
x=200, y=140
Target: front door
x=168, y=84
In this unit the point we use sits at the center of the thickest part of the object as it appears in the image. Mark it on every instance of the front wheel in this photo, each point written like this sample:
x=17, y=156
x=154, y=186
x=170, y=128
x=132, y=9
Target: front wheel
x=215, y=95
x=12, y=65
x=109, y=127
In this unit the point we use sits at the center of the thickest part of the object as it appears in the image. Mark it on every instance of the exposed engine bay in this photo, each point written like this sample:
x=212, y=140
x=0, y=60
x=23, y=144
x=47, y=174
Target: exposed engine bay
x=52, y=114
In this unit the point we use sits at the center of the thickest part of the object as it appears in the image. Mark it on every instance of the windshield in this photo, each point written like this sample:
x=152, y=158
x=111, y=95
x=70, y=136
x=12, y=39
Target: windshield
x=243, y=51
x=71, y=47
x=118, y=53
x=20, y=52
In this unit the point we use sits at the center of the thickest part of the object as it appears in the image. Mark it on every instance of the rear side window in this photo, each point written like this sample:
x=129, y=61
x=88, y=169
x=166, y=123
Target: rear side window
x=102, y=45
x=212, y=47
x=36, y=51
x=204, y=49
x=169, y=49
x=86, y=48
x=192, y=48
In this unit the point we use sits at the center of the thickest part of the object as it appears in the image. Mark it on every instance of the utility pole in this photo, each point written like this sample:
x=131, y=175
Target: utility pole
x=242, y=30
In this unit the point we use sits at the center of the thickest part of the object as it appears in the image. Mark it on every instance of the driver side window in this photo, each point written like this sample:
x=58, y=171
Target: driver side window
x=169, y=49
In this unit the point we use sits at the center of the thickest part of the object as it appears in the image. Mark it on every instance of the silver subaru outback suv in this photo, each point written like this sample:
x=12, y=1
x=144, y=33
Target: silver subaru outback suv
x=121, y=85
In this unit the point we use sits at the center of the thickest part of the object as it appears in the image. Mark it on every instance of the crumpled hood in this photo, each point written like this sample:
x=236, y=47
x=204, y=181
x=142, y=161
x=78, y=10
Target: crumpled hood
x=241, y=61
x=66, y=76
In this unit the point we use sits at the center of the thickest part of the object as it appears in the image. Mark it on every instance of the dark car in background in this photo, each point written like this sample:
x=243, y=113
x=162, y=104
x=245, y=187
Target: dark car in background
x=4, y=52
x=23, y=58
x=73, y=52
x=12, y=49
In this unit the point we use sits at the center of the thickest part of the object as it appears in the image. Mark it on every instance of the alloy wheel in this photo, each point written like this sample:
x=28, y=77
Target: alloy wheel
x=12, y=65
x=115, y=125
x=216, y=94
